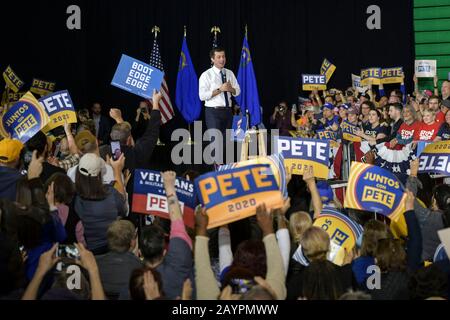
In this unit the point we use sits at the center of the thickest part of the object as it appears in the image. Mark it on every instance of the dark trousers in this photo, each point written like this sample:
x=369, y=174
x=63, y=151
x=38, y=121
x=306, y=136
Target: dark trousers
x=220, y=119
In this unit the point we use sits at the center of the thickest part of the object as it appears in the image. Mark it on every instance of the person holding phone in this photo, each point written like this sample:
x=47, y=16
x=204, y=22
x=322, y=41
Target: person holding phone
x=281, y=119
x=142, y=118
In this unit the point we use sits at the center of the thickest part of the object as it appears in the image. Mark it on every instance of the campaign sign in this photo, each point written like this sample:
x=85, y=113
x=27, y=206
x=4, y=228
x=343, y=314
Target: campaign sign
x=24, y=119
x=314, y=82
x=327, y=69
x=42, y=87
x=392, y=75
x=421, y=146
x=15, y=96
x=12, y=80
x=343, y=232
x=149, y=196
x=435, y=158
x=137, y=77
x=299, y=153
x=425, y=68
x=239, y=128
x=327, y=135
x=370, y=76
x=60, y=108
x=349, y=132
x=234, y=194
x=276, y=163
x=356, y=83
x=372, y=188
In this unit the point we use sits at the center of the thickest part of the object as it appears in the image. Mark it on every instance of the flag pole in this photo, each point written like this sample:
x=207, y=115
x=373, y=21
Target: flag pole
x=155, y=31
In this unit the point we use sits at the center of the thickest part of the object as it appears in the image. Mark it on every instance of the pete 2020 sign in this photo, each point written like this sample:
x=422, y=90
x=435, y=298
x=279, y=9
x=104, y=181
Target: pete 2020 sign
x=42, y=87
x=12, y=79
x=276, y=163
x=299, y=153
x=137, y=77
x=425, y=68
x=314, y=82
x=372, y=188
x=435, y=158
x=24, y=119
x=234, y=194
x=349, y=132
x=343, y=232
x=60, y=108
x=149, y=196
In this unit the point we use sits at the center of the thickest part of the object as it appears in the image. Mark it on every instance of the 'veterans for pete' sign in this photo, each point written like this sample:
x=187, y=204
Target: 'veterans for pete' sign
x=137, y=77
x=314, y=82
x=149, y=196
x=374, y=189
x=60, y=109
x=435, y=158
x=234, y=194
x=24, y=119
x=299, y=153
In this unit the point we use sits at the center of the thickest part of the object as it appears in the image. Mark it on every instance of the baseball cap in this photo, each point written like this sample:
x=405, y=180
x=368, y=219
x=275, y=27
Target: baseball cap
x=328, y=106
x=10, y=150
x=365, y=95
x=83, y=138
x=446, y=103
x=325, y=191
x=90, y=165
x=346, y=106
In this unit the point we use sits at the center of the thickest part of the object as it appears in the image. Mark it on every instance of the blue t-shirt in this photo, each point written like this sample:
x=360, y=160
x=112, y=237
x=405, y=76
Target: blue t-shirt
x=373, y=132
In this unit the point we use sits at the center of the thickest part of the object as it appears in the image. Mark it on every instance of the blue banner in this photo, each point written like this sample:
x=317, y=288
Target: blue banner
x=24, y=119
x=435, y=158
x=249, y=98
x=149, y=196
x=137, y=77
x=187, y=99
x=299, y=153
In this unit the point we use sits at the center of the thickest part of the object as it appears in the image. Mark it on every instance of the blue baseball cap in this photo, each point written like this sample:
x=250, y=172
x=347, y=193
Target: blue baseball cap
x=328, y=106
x=325, y=191
x=346, y=106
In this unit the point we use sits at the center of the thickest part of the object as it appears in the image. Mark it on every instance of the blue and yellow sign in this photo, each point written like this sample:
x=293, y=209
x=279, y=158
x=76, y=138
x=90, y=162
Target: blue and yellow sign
x=276, y=163
x=372, y=188
x=435, y=158
x=299, y=153
x=392, y=75
x=15, y=96
x=343, y=232
x=149, y=196
x=349, y=132
x=327, y=69
x=370, y=76
x=12, y=80
x=60, y=108
x=24, y=119
x=234, y=194
x=314, y=82
x=42, y=87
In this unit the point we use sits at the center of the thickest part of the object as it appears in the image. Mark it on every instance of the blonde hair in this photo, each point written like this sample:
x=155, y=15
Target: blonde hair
x=430, y=111
x=315, y=243
x=299, y=222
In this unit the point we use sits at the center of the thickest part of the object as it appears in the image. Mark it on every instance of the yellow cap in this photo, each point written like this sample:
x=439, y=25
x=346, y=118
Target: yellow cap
x=10, y=150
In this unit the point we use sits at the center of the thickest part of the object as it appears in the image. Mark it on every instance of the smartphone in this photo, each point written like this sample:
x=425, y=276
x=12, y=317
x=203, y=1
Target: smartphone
x=241, y=286
x=116, y=151
x=66, y=251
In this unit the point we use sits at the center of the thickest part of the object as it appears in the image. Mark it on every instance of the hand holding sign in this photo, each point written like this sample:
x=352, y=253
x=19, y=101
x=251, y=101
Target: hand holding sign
x=264, y=218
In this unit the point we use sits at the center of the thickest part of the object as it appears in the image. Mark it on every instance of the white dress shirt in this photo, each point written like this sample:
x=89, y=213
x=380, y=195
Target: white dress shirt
x=210, y=81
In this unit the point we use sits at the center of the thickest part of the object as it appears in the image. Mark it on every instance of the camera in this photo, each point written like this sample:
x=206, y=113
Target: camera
x=281, y=108
x=66, y=251
x=349, y=93
x=144, y=110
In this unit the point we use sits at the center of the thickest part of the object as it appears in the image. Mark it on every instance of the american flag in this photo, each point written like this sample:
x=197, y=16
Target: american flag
x=165, y=105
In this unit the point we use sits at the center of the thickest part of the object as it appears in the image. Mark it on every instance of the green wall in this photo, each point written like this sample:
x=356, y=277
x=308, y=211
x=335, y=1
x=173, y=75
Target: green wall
x=432, y=36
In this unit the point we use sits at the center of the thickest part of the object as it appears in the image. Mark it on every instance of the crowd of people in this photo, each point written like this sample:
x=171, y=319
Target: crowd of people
x=65, y=205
